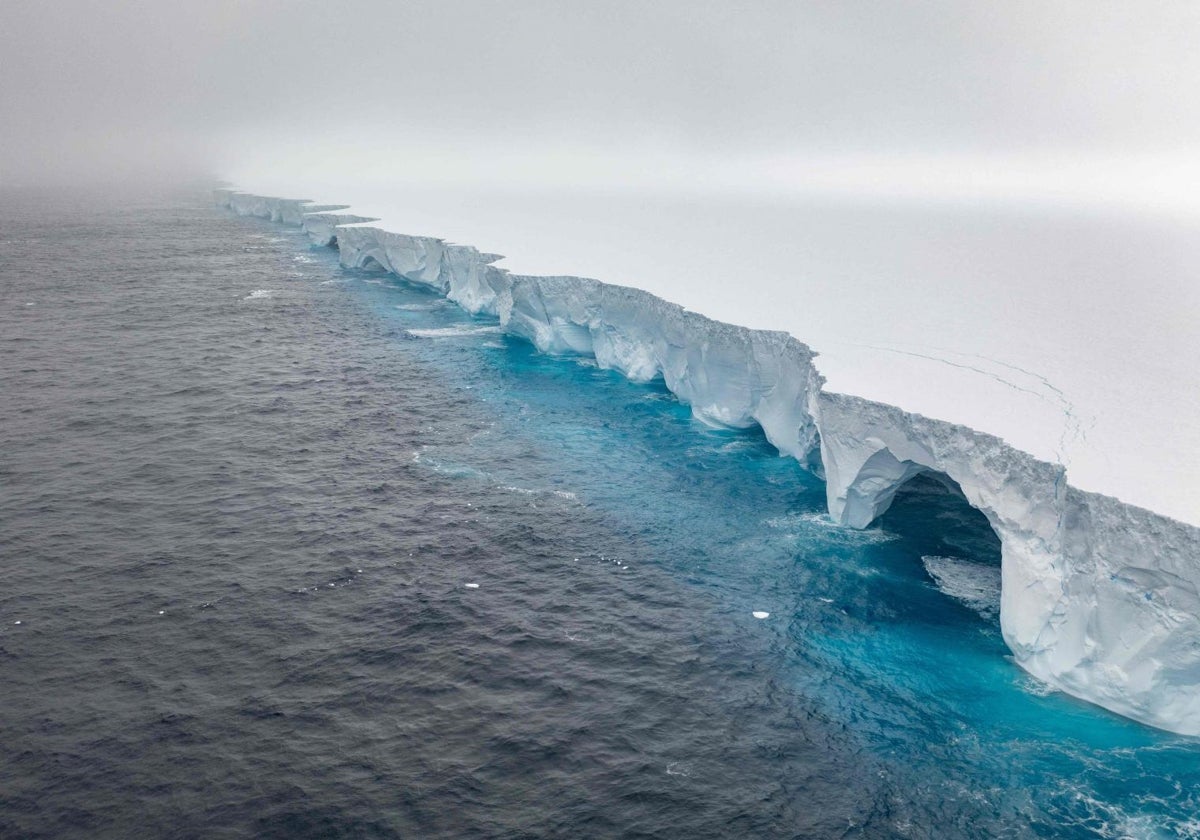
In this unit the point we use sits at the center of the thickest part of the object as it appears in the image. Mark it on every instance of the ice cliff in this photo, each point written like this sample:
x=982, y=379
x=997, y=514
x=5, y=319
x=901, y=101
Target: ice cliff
x=1099, y=598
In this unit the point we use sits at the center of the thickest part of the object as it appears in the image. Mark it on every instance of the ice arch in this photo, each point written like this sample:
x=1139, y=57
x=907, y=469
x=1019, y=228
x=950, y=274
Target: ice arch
x=1097, y=598
x=370, y=262
x=870, y=450
x=931, y=510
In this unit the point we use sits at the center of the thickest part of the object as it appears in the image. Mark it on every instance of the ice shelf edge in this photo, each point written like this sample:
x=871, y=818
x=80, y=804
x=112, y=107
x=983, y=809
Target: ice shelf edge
x=1099, y=598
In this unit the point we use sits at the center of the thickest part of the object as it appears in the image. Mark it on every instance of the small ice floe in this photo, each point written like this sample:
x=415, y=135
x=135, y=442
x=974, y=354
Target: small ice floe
x=975, y=585
x=471, y=585
x=162, y=612
x=759, y=614
x=16, y=622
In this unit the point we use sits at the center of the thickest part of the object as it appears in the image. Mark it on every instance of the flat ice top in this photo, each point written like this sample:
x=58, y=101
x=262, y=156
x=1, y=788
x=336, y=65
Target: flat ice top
x=1073, y=336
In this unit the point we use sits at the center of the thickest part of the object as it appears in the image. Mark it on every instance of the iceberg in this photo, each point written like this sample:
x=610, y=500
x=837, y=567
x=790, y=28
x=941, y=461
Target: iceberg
x=1099, y=598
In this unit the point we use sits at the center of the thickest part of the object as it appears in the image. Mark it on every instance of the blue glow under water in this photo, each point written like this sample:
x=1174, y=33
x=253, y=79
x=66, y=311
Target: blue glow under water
x=245, y=491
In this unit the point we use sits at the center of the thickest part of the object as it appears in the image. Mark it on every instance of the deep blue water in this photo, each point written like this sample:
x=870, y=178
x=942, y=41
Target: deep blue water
x=243, y=493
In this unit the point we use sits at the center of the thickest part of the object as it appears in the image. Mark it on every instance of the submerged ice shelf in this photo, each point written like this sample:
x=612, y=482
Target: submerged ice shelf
x=1098, y=598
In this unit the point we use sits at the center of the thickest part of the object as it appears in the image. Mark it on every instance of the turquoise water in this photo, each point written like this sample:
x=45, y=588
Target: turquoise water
x=243, y=492
x=966, y=741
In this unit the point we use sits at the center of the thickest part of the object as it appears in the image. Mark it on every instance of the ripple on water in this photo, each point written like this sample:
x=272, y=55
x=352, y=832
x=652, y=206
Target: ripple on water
x=555, y=634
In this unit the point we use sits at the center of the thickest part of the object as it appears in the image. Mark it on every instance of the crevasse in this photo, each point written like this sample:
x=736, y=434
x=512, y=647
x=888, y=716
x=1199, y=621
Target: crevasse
x=1099, y=598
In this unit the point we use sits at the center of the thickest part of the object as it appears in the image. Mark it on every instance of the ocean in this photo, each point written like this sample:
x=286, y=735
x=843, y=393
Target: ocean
x=289, y=550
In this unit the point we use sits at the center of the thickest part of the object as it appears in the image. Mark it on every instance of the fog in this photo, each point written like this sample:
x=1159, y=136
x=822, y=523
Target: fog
x=1018, y=182
x=1084, y=99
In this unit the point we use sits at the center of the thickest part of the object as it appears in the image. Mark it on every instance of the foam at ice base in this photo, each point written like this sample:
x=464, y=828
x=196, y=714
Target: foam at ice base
x=1098, y=598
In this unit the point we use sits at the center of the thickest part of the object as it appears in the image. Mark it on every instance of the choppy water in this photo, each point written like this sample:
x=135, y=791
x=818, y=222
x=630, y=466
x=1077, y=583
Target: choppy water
x=301, y=552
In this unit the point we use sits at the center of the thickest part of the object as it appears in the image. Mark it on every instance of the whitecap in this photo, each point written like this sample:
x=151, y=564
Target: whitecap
x=798, y=523
x=471, y=585
x=259, y=294
x=1032, y=685
x=760, y=615
x=453, y=332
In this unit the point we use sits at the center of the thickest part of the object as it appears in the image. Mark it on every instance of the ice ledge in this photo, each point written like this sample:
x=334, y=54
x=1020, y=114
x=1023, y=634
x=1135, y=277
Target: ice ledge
x=1099, y=598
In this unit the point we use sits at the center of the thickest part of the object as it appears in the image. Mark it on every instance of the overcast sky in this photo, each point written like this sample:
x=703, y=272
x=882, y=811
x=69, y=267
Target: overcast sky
x=549, y=90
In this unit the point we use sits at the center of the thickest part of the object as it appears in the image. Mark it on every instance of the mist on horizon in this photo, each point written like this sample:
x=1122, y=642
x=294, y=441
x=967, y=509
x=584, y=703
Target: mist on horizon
x=940, y=98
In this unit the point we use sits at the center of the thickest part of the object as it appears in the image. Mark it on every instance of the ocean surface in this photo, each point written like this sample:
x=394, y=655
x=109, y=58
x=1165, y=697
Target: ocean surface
x=293, y=551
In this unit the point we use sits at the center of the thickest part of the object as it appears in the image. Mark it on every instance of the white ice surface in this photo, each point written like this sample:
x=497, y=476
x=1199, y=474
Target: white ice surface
x=1071, y=336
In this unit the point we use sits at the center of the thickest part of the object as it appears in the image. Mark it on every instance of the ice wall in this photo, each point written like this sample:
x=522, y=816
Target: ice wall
x=460, y=272
x=287, y=210
x=1099, y=598
x=730, y=376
